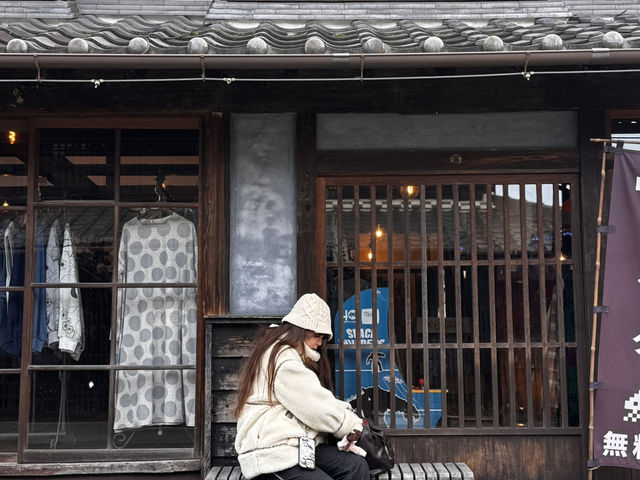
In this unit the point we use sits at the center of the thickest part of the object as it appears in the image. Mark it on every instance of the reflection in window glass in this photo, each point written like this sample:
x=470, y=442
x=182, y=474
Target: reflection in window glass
x=76, y=164
x=161, y=436
x=69, y=410
x=80, y=234
x=13, y=167
x=159, y=165
x=9, y=405
x=564, y=192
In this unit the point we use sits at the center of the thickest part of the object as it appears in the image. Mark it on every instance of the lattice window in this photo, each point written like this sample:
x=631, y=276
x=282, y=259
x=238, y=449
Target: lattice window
x=475, y=281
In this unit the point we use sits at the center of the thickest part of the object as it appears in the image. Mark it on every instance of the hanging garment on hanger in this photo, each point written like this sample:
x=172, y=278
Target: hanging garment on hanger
x=3, y=282
x=53, y=276
x=11, y=331
x=156, y=326
x=71, y=325
x=9, y=238
x=39, y=294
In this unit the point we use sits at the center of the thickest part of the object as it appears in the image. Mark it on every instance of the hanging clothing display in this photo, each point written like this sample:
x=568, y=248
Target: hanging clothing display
x=53, y=276
x=39, y=294
x=156, y=326
x=14, y=255
x=71, y=324
x=3, y=281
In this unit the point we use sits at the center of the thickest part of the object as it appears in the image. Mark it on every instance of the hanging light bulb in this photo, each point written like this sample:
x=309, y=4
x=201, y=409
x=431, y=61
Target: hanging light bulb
x=12, y=136
x=563, y=257
x=379, y=232
x=411, y=191
x=370, y=255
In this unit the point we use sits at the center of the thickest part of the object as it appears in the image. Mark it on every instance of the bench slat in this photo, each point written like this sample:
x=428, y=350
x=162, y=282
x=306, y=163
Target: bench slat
x=443, y=473
x=382, y=476
x=224, y=473
x=467, y=474
x=453, y=471
x=431, y=472
x=236, y=474
x=406, y=471
x=401, y=471
x=213, y=473
x=418, y=471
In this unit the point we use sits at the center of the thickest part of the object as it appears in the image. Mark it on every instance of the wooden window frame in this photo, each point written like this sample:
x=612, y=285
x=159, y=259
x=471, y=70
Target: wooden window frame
x=212, y=146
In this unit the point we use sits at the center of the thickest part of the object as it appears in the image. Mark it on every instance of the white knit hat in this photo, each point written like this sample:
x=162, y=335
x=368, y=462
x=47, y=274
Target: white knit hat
x=311, y=313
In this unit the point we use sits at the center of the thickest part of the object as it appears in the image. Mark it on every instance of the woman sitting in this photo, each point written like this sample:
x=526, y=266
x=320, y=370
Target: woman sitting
x=286, y=405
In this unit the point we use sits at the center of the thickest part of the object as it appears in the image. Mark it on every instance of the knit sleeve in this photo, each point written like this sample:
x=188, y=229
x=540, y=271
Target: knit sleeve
x=299, y=390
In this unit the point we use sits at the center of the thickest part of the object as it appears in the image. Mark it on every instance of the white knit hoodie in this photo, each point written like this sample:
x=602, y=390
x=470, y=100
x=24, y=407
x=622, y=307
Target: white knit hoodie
x=267, y=438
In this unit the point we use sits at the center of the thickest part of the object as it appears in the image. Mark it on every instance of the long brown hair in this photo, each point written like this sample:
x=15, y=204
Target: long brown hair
x=285, y=335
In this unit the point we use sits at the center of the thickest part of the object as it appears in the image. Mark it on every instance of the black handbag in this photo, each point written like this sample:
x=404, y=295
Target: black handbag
x=380, y=454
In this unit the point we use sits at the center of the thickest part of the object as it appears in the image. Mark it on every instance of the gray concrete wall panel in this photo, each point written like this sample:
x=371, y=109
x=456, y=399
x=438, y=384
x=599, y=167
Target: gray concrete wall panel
x=263, y=214
x=517, y=130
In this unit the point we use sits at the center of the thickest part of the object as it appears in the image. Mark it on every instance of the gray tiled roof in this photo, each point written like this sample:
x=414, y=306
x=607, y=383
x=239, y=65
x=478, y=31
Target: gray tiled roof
x=238, y=27
x=320, y=9
x=401, y=36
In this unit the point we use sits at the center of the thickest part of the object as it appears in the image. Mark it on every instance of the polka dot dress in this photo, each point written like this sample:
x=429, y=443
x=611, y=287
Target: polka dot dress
x=156, y=326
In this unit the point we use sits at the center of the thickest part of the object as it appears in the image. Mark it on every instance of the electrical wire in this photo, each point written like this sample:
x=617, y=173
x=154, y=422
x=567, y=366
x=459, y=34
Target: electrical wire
x=229, y=80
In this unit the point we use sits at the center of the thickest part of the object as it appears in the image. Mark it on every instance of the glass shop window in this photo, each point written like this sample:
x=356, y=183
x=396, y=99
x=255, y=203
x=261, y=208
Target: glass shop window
x=113, y=283
x=13, y=199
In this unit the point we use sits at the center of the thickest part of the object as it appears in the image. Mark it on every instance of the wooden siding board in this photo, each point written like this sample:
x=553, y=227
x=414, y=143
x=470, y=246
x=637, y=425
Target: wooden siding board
x=223, y=405
x=227, y=375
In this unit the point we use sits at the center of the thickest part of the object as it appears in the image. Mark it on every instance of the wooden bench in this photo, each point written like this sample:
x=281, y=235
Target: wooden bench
x=402, y=471
x=228, y=342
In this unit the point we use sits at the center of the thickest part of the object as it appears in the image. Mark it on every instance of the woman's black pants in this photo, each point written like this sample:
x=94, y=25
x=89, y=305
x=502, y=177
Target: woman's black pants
x=331, y=463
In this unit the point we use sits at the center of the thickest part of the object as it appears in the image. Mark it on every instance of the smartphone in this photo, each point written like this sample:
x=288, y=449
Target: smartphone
x=307, y=453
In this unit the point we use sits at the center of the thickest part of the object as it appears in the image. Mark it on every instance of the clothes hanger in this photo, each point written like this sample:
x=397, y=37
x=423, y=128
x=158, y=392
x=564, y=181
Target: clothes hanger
x=163, y=197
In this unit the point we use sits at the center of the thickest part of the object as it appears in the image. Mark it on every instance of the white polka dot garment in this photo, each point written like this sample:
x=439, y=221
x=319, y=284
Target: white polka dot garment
x=156, y=326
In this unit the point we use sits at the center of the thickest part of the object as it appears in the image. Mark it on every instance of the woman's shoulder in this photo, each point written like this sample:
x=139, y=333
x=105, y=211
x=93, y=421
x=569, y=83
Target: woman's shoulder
x=286, y=353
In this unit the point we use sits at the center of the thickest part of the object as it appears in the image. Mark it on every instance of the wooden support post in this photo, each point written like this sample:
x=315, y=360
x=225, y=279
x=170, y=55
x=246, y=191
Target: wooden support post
x=596, y=293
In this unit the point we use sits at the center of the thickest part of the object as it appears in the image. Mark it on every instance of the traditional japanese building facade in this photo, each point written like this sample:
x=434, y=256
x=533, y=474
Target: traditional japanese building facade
x=172, y=174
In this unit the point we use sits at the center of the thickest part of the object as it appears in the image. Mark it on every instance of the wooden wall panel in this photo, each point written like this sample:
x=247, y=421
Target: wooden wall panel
x=222, y=405
x=223, y=452
x=500, y=457
x=230, y=339
x=306, y=202
x=443, y=96
x=215, y=235
x=616, y=473
x=227, y=375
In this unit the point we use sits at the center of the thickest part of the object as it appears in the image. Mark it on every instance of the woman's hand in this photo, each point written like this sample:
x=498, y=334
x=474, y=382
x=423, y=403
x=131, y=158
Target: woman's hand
x=354, y=436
